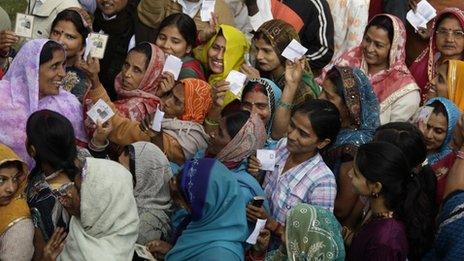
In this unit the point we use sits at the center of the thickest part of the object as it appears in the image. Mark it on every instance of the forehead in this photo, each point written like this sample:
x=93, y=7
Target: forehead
x=301, y=121
x=66, y=26
x=450, y=23
x=438, y=121
x=255, y=97
x=378, y=34
x=136, y=58
x=171, y=30
x=262, y=43
x=220, y=40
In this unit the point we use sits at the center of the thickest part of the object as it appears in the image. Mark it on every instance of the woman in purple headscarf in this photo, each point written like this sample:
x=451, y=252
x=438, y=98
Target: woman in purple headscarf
x=33, y=83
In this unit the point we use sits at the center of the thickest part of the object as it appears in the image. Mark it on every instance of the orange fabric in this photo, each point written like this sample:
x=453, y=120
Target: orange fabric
x=281, y=11
x=197, y=100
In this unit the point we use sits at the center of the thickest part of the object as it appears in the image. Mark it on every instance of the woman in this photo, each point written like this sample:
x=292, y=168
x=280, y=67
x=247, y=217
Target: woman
x=349, y=89
x=382, y=173
x=33, y=83
x=442, y=46
x=138, y=82
x=216, y=224
x=15, y=218
x=71, y=28
x=51, y=143
x=151, y=173
x=103, y=229
x=177, y=35
x=449, y=82
x=381, y=56
x=269, y=41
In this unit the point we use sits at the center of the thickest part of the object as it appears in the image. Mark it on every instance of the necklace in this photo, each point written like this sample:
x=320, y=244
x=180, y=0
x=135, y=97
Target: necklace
x=382, y=215
x=53, y=175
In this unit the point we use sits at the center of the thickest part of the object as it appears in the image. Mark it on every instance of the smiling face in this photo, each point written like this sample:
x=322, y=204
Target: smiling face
x=133, y=70
x=66, y=34
x=450, y=39
x=301, y=137
x=376, y=47
x=216, y=55
x=266, y=58
x=435, y=131
x=172, y=42
x=173, y=102
x=51, y=74
x=258, y=103
x=439, y=84
x=10, y=178
x=111, y=7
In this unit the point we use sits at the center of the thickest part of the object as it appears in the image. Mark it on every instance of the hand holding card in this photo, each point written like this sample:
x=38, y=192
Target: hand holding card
x=24, y=25
x=173, y=65
x=159, y=116
x=207, y=7
x=267, y=158
x=294, y=50
x=237, y=81
x=98, y=45
x=101, y=111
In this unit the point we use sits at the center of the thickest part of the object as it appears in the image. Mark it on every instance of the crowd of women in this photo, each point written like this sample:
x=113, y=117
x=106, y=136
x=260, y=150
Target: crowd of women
x=368, y=148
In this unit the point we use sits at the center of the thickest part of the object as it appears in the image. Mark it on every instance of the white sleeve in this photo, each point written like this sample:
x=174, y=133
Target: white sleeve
x=403, y=108
x=264, y=14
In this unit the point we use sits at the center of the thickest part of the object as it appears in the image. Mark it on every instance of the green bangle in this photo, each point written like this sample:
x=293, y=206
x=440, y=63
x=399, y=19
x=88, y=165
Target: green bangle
x=285, y=105
x=211, y=122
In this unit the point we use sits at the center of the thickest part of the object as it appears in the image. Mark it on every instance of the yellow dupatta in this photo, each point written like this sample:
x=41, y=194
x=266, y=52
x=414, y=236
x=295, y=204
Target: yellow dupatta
x=456, y=83
x=17, y=209
x=234, y=56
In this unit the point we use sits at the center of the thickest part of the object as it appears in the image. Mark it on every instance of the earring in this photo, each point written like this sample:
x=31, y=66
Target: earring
x=375, y=195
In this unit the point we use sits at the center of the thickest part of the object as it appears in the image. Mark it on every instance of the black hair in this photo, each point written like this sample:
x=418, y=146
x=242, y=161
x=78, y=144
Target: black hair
x=143, y=48
x=384, y=22
x=336, y=78
x=438, y=108
x=52, y=136
x=402, y=190
x=76, y=19
x=185, y=24
x=13, y=164
x=47, y=51
x=235, y=121
x=443, y=17
x=129, y=151
x=324, y=117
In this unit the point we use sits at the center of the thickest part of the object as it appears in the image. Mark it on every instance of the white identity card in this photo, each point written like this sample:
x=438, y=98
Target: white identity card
x=423, y=14
x=236, y=80
x=294, y=50
x=267, y=158
x=173, y=65
x=24, y=25
x=101, y=111
x=143, y=252
x=159, y=116
x=207, y=7
x=260, y=224
x=97, y=45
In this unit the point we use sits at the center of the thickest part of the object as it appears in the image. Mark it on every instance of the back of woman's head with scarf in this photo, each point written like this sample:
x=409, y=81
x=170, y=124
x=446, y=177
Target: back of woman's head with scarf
x=197, y=101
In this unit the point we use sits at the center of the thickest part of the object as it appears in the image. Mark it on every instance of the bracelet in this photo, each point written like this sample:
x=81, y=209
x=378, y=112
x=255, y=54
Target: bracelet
x=211, y=122
x=94, y=147
x=460, y=154
x=286, y=105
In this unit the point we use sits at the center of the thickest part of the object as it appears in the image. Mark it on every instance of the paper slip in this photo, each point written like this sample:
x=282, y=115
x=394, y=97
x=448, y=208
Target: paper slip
x=294, y=50
x=101, y=111
x=159, y=116
x=173, y=65
x=422, y=115
x=24, y=25
x=267, y=158
x=97, y=44
x=236, y=80
x=260, y=224
x=207, y=7
x=423, y=14
x=143, y=252
x=88, y=47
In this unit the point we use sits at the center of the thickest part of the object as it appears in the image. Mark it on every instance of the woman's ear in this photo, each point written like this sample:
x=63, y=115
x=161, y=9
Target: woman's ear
x=323, y=144
x=31, y=150
x=188, y=49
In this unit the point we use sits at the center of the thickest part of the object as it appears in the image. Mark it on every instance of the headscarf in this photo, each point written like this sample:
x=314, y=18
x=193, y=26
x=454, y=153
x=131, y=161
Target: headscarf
x=197, y=101
x=108, y=225
x=136, y=104
x=19, y=93
x=313, y=233
x=388, y=84
x=456, y=82
x=453, y=115
x=424, y=67
x=17, y=209
x=218, y=218
x=252, y=136
x=152, y=175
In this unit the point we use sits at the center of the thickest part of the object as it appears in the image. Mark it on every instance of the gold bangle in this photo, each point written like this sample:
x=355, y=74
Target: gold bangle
x=211, y=122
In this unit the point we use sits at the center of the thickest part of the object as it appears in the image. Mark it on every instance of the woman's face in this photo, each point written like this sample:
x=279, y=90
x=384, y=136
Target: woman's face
x=266, y=58
x=133, y=70
x=450, y=38
x=172, y=42
x=359, y=182
x=173, y=102
x=220, y=140
x=216, y=55
x=435, y=131
x=10, y=178
x=376, y=46
x=111, y=7
x=439, y=84
x=258, y=103
x=66, y=34
x=301, y=138
x=329, y=93
x=51, y=74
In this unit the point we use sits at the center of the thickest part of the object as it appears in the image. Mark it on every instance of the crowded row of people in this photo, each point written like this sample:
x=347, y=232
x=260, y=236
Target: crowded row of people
x=367, y=150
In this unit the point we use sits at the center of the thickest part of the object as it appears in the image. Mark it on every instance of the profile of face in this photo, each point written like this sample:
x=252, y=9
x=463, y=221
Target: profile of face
x=450, y=38
x=71, y=196
x=172, y=103
x=376, y=46
x=176, y=194
x=439, y=84
x=66, y=34
x=435, y=131
x=267, y=59
x=171, y=41
x=51, y=74
x=133, y=70
x=258, y=103
x=216, y=55
x=329, y=93
x=220, y=139
x=359, y=183
x=10, y=178
x=111, y=7
x=301, y=137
